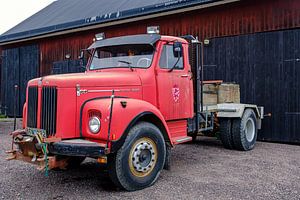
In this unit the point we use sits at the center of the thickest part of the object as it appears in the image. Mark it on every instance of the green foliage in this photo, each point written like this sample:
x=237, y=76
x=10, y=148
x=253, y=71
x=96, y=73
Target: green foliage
x=2, y=116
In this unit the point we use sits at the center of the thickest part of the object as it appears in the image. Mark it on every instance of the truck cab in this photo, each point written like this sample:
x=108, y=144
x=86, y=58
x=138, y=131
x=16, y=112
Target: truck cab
x=139, y=97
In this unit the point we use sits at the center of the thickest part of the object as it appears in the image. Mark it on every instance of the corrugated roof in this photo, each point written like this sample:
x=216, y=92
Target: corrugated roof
x=69, y=14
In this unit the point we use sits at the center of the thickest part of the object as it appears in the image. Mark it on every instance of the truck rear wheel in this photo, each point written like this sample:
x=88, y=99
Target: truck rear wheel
x=225, y=133
x=138, y=163
x=244, y=131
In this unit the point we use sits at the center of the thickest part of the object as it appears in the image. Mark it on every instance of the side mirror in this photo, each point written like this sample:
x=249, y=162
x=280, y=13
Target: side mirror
x=177, y=49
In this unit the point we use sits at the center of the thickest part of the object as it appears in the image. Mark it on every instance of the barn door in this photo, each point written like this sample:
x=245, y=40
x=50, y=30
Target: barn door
x=29, y=64
x=11, y=76
x=267, y=67
x=19, y=65
x=3, y=82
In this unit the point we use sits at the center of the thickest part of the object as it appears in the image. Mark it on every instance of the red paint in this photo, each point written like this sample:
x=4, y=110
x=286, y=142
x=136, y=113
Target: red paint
x=182, y=107
x=121, y=116
x=168, y=95
x=24, y=121
x=177, y=130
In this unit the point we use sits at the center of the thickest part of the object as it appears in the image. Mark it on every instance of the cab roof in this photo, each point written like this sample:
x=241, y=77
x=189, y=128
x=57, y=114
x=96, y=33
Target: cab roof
x=149, y=39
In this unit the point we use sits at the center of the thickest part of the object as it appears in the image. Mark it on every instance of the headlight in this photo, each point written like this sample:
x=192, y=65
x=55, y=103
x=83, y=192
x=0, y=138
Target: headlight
x=94, y=124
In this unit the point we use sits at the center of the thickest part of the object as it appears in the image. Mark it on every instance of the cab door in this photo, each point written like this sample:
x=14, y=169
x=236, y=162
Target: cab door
x=174, y=86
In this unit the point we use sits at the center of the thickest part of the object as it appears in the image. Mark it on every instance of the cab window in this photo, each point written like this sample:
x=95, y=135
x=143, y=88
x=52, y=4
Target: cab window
x=168, y=60
x=122, y=56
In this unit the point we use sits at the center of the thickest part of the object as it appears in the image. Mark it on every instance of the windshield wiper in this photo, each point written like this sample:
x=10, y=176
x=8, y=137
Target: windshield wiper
x=126, y=62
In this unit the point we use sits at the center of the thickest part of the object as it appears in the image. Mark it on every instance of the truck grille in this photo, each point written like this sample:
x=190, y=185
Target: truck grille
x=32, y=107
x=49, y=106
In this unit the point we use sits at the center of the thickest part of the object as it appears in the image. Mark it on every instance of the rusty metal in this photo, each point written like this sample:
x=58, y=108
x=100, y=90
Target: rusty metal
x=14, y=134
x=51, y=140
x=18, y=132
x=30, y=150
x=53, y=162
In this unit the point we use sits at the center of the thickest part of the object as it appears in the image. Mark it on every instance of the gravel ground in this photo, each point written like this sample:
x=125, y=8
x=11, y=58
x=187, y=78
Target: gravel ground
x=202, y=170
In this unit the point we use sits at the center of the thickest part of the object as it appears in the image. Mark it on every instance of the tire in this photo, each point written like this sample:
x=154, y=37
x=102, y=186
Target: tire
x=194, y=137
x=138, y=163
x=226, y=133
x=244, y=131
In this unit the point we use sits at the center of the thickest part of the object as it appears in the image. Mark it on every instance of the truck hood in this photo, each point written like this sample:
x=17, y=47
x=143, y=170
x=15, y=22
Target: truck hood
x=89, y=79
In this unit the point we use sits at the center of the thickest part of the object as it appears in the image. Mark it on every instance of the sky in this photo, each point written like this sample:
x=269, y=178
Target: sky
x=12, y=12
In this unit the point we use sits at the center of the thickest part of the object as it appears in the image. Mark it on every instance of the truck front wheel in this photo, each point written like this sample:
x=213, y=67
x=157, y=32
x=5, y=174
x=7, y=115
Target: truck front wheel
x=138, y=163
x=244, y=131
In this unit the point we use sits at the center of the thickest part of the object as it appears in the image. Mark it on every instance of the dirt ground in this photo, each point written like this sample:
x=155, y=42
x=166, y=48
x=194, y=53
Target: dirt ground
x=202, y=170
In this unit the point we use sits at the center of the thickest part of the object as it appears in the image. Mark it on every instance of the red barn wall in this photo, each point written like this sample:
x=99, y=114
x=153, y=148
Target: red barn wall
x=247, y=16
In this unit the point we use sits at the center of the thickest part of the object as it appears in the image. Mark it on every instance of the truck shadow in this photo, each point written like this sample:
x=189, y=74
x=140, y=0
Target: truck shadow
x=89, y=174
x=207, y=142
x=93, y=176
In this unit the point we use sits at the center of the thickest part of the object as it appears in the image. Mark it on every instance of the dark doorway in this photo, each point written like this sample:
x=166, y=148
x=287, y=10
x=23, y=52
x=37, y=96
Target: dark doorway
x=267, y=67
x=19, y=65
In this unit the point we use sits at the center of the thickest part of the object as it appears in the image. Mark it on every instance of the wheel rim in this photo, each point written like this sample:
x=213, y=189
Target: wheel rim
x=250, y=129
x=142, y=157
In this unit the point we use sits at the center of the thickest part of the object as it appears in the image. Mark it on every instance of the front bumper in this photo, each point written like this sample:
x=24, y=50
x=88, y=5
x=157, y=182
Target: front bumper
x=77, y=147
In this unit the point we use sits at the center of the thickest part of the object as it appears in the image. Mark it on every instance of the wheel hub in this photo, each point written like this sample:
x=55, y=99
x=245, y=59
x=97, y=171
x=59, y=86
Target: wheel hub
x=143, y=157
x=250, y=129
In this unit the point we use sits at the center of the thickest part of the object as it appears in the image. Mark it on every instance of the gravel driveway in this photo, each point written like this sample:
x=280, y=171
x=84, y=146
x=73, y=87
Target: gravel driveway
x=202, y=170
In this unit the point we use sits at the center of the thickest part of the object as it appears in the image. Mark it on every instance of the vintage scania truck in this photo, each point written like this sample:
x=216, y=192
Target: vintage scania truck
x=140, y=96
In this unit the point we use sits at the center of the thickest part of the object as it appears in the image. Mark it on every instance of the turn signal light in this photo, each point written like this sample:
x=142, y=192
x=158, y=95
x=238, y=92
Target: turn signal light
x=102, y=160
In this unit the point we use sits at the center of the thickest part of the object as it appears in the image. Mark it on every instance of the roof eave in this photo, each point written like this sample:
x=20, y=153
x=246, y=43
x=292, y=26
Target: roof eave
x=114, y=22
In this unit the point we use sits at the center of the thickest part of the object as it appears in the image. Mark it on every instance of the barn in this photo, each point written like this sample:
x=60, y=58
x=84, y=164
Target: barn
x=255, y=43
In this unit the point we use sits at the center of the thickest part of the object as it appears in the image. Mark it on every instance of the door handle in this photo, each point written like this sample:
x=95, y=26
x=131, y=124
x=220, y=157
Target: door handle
x=185, y=75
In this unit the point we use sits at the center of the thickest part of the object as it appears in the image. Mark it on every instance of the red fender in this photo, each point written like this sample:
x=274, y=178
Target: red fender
x=123, y=117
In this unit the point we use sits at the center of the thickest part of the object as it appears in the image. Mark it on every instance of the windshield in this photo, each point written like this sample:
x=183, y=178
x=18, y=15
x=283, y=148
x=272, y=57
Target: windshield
x=131, y=56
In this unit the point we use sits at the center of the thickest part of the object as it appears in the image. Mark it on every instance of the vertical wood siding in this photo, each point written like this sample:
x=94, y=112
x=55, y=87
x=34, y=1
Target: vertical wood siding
x=267, y=67
x=19, y=65
x=247, y=16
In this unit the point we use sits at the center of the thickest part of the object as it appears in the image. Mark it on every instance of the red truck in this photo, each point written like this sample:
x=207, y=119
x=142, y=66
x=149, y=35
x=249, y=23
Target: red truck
x=140, y=96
